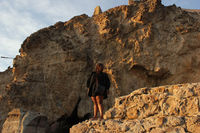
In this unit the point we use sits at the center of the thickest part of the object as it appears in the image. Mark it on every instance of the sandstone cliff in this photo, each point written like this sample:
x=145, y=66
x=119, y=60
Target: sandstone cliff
x=143, y=44
x=5, y=79
x=173, y=109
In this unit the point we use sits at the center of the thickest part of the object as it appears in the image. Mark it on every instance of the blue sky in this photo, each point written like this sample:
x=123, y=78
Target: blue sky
x=20, y=18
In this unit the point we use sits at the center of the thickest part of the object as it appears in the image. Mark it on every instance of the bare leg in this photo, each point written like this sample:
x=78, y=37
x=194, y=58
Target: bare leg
x=95, y=106
x=99, y=100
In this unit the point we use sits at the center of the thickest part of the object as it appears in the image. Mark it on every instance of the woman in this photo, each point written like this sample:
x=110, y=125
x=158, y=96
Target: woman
x=98, y=85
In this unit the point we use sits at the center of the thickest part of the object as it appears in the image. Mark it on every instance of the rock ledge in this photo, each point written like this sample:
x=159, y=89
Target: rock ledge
x=173, y=108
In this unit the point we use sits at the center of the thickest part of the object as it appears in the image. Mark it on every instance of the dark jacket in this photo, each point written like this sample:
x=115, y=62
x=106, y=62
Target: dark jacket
x=102, y=79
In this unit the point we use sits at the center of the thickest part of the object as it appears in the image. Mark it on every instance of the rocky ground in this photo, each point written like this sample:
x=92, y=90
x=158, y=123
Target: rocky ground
x=173, y=109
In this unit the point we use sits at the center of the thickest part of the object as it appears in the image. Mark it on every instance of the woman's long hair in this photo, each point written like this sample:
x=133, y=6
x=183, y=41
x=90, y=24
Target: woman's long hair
x=99, y=68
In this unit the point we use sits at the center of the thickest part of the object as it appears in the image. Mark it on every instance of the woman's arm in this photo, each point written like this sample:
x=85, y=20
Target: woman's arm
x=107, y=81
x=89, y=80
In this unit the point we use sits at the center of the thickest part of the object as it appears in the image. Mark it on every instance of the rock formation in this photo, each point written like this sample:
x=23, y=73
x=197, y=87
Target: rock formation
x=19, y=121
x=5, y=78
x=142, y=45
x=154, y=110
x=63, y=124
x=130, y=2
x=97, y=11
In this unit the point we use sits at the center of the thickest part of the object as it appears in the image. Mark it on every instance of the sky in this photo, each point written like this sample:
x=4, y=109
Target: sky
x=20, y=18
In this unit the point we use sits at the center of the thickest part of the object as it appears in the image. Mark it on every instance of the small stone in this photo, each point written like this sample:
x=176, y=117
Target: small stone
x=160, y=121
x=132, y=113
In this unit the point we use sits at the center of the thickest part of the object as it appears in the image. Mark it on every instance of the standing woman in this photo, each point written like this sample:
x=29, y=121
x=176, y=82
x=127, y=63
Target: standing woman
x=98, y=85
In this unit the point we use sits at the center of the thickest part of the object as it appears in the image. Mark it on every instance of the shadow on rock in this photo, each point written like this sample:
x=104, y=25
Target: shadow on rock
x=64, y=123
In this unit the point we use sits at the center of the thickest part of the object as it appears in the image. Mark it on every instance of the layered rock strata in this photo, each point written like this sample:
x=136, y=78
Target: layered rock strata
x=155, y=110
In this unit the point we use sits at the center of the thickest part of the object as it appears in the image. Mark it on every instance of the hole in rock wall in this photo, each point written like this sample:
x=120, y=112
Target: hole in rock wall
x=37, y=125
x=64, y=123
x=30, y=122
x=138, y=77
x=153, y=77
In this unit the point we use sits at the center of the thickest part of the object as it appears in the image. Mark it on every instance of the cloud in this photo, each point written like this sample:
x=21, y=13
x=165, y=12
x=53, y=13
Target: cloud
x=16, y=24
x=20, y=18
x=6, y=63
x=9, y=47
x=188, y=4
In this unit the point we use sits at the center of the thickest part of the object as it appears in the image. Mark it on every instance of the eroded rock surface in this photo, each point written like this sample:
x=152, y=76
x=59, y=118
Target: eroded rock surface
x=142, y=45
x=155, y=110
x=5, y=79
x=19, y=121
x=97, y=11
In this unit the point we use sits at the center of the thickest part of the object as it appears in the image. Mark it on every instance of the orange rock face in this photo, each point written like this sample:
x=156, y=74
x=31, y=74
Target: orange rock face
x=175, y=110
